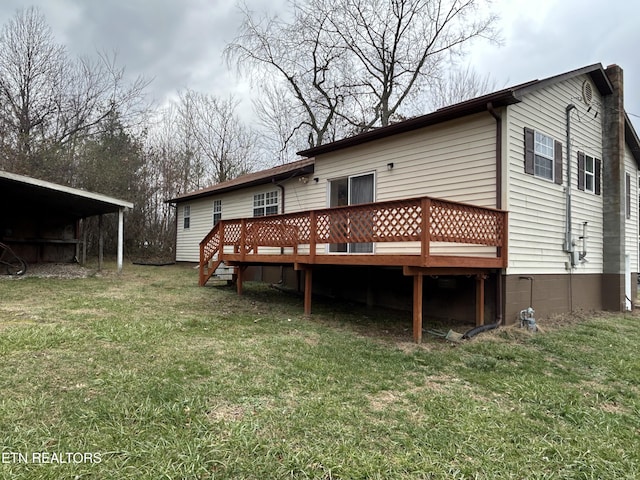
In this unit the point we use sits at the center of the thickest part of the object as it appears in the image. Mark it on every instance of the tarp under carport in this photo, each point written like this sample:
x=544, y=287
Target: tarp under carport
x=25, y=200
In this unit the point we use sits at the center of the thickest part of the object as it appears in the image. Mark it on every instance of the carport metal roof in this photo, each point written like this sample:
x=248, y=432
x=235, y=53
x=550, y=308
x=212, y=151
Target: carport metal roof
x=29, y=194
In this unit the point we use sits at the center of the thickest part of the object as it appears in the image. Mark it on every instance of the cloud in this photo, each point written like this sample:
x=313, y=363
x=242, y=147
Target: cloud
x=179, y=44
x=549, y=37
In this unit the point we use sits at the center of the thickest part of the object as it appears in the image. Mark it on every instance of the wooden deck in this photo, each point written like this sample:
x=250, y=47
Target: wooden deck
x=416, y=229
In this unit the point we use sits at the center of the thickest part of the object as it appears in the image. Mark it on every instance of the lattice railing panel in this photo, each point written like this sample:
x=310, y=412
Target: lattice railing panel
x=393, y=221
x=210, y=245
x=454, y=222
x=389, y=222
x=399, y=222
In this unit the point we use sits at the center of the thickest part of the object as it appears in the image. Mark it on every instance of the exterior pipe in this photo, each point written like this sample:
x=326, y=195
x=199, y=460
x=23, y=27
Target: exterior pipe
x=281, y=187
x=568, y=243
x=498, y=120
x=583, y=253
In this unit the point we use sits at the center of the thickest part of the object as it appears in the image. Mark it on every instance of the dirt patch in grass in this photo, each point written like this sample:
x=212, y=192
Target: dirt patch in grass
x=226, y=412
x=53, y=270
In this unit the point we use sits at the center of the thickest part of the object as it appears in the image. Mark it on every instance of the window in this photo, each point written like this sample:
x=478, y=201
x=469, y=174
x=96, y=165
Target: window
x=186, y=216
x=265, y=204
x=543, y=156
x=217, y=211
x=589, y=173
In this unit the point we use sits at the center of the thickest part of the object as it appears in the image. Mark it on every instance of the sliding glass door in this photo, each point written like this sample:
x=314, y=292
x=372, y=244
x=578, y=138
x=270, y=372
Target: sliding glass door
x=352, y=190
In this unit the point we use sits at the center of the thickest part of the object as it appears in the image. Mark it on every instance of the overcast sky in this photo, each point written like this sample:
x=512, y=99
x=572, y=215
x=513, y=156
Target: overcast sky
x=178, y=43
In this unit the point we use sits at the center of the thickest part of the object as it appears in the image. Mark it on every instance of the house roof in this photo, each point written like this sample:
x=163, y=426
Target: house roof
x=501, y=98
x=271, y=175
x=32, y=195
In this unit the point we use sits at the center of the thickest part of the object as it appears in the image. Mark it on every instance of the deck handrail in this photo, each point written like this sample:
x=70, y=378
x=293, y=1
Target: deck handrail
x=387, y=221
x=209, y=248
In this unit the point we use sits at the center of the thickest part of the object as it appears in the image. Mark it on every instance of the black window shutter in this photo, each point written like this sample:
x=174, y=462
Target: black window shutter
x=557, y=161
x=598, y=167
x=528, y=151
x=628, y=195
x=580, y=171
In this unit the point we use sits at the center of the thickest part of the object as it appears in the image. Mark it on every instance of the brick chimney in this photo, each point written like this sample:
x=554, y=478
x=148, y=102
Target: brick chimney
x=613, y=188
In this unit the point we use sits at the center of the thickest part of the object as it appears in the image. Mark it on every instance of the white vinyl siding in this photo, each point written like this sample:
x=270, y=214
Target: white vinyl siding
x=236, y=204
x=188, y=240
x=631, y=223
x=537, y=208
x=453, y=161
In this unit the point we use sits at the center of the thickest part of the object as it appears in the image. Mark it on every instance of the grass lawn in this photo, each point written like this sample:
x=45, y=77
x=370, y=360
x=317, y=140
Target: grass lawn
x=150, y=376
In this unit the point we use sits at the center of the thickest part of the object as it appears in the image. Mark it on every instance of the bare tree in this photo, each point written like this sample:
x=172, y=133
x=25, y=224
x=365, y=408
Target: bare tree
x=351, y=65
x=47, y=98
x=32, y=69
x=306, y=62
x=398, y=46
x=277, y=117
x=458, y=85
x=225, y=147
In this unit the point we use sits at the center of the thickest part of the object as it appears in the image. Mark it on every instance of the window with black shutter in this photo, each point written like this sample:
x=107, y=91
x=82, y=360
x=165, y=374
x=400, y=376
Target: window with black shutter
x=589, y=176
x=628, y=195
x=542, y=156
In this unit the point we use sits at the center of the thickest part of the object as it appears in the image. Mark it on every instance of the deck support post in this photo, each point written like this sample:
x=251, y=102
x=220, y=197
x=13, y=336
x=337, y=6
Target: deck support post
x=417, y=307
x=240, y=278
x=308, y=288
x=480, y=299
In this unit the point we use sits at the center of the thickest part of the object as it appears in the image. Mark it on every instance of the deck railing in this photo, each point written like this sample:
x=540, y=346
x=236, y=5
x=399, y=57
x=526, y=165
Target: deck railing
x=423, y=220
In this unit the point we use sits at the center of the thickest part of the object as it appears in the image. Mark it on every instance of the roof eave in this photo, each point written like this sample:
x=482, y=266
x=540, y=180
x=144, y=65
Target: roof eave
x=34, y=182
x=595, y=71
x=303, y=170
x=631, y=138
x=463, y=109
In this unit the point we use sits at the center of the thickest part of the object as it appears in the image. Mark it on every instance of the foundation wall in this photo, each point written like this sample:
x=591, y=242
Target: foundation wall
x=553, y=294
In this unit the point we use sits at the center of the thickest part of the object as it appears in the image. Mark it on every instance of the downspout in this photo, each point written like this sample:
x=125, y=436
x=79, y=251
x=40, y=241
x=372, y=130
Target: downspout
x=498, y=119
x=499, y=282
x=568, y=243
x=281, y=187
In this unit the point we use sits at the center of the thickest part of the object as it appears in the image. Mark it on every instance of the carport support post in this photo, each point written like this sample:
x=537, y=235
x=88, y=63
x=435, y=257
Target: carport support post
x=100, y=244
x=85, y=229
x=120, y=238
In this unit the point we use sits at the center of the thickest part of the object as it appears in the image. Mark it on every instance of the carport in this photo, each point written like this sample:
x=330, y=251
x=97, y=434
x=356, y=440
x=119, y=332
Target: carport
x=42, y=220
